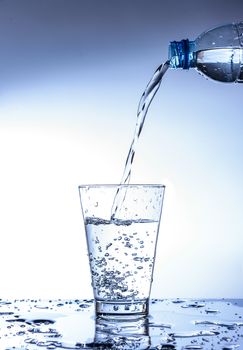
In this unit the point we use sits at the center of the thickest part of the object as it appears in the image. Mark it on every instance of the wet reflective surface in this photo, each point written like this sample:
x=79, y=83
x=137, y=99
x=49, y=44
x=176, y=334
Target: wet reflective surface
x=71, y=324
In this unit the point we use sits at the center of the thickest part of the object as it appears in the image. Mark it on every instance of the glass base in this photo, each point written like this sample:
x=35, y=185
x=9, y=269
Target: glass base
x=119, y=309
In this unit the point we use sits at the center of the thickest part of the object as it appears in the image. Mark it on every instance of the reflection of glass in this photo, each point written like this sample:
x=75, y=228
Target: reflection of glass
x=123, y=333
x=122, y=250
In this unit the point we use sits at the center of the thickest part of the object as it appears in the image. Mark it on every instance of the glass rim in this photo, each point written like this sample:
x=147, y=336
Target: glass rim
x=121, y=185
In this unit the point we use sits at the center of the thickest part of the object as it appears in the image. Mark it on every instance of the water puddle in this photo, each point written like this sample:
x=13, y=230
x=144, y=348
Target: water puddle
x=70, y=324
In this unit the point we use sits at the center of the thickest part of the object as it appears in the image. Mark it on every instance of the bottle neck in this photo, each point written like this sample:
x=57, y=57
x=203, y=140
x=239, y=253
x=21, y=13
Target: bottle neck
x=182, y=54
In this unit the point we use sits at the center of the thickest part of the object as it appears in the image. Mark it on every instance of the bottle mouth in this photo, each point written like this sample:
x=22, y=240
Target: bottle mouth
x=181, y=54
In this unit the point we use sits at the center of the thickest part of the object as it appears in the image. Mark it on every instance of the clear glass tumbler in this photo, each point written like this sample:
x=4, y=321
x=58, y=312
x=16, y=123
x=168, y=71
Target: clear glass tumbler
x=121, y=245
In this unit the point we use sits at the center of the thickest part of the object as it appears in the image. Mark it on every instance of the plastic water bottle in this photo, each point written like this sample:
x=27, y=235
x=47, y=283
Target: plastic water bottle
x=216, y=53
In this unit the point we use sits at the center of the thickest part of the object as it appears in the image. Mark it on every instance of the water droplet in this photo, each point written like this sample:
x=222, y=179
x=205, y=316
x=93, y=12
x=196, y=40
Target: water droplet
x=84, y=306
x=178, y=301
x=41, y=306
x=137, y=258
x=211, y=311
x=165, y=346
x=229, y=325
x=194, y=334
x=3, y=302
x=5, y=313
x=41, y=321
x=16, y=320
x=20, y=333
x=195, y=305
x=159, y=325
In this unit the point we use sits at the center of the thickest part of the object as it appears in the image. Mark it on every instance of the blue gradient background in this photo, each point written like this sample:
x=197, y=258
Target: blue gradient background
x=71, y=75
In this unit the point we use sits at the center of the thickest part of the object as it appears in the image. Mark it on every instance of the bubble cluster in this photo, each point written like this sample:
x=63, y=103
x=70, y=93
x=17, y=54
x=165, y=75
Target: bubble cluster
x=121, y=255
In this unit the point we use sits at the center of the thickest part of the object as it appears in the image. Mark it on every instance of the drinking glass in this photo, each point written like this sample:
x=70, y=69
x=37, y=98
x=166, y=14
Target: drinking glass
x=121, y=244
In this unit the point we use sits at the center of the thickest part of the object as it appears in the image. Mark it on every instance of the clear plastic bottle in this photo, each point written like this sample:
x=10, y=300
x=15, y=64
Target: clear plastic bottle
x=216, y=53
